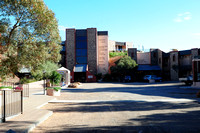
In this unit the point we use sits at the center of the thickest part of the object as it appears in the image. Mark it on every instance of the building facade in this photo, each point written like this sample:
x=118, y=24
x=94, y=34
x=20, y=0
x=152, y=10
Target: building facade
x=82, y=53
x=119, y=46
x=171, y=66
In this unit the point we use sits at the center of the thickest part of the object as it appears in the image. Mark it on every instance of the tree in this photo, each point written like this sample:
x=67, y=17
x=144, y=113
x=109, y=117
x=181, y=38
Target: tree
x=28, y=35
x=45, y=70
x=124, y=66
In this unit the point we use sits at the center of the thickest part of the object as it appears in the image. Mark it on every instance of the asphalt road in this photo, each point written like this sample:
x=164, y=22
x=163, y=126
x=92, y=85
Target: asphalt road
x=125, y=107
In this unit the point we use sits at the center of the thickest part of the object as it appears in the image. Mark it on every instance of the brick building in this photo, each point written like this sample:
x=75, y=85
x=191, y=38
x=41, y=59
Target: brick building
x=170, y=66
x=86, y=53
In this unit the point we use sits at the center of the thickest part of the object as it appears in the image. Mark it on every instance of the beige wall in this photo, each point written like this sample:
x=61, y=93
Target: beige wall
x=129, y=45
x=103, y=54
x=111, y=45
x=143, y=58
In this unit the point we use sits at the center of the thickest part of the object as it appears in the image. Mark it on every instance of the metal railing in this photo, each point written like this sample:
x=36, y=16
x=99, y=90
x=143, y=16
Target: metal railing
x=14, y=85
x=11, y=103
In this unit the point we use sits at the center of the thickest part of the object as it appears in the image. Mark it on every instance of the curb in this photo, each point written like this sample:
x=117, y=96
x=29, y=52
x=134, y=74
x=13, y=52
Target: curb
x=45, y=117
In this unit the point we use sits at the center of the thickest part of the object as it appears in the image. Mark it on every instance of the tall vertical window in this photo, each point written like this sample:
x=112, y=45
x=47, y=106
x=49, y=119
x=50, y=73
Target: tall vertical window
x=81, y=46
x=174, y=59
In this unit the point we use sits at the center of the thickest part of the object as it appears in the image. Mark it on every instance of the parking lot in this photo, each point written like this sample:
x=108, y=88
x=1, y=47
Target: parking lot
x=124, y=107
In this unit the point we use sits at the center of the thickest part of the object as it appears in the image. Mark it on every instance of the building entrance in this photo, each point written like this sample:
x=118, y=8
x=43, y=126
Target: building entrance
x=80, y=76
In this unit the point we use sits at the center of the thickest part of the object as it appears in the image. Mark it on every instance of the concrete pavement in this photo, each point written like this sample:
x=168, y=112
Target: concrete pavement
x=124, y=107
x=32, y=114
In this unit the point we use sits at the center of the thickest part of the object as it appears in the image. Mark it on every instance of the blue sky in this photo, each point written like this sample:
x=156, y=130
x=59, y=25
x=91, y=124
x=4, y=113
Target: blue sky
x=164, y=24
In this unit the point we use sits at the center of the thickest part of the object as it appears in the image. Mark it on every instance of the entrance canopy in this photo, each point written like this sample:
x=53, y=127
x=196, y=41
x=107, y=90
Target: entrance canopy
x=65, y=75
x=80, y=68
x=148, y=68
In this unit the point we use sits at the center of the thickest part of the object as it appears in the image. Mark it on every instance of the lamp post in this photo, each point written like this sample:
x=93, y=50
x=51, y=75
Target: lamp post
x=44, y=81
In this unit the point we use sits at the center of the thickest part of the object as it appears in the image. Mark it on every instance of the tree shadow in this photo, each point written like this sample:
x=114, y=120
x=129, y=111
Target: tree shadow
x=174, y=91
x=116, y=106
x=182, y=122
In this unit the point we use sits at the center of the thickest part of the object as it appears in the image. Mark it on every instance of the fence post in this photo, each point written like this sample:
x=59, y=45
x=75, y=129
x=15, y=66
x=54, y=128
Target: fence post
x=21, y=102
x=4, y=106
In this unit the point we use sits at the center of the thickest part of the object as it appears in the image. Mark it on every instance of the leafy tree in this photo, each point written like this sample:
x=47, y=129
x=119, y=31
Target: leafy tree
x=45, y=70
x=124, y=66
x=28, y=35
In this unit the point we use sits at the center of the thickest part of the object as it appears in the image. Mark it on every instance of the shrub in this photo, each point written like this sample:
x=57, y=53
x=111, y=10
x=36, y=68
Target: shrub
x=55, y=78
x=26, y=80
x=107, y=77
x=113, y=54
x=8, y=87
x=198, y=94
x=55, y=88
x=99, y=76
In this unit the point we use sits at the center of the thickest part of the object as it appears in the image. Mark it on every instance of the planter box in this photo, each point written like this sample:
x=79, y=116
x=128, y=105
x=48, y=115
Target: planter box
x=52, y=92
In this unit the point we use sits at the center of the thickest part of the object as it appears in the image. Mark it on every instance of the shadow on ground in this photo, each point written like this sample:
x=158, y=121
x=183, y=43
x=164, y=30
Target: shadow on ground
x=174, y=91
x=184, y=121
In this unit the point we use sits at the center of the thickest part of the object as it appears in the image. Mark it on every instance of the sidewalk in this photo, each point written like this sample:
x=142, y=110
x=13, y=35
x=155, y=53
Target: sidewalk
x=32, y=114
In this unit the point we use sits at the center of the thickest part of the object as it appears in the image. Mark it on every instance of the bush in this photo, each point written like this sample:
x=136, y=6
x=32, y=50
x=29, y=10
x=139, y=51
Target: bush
x=113, y=54
x=55, y=88
x=98, y=76
x=107, y=77
x=8, y=87
x=26, y=80
x=55, y=77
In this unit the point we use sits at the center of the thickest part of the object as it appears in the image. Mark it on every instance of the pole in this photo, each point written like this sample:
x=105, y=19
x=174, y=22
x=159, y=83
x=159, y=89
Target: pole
x=44, y=83
x=21, y=102
x=4, y=106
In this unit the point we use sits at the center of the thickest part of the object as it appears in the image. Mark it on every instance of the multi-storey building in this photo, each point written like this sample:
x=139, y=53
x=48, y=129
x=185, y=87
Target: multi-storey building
x=86, y=53
x=170, y=66
x=119, y=46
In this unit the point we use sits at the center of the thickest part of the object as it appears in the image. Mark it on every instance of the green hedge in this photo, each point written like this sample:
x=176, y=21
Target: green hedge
x=8, y=87
x=113, y=54
x=55, y=88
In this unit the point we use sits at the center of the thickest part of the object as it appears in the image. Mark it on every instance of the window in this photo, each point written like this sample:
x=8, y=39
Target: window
x=81, y=44
x=174, y=59
x=132, y=55
x=154, y=55
x=81, y=60
x=159, y=60
x=81, y=52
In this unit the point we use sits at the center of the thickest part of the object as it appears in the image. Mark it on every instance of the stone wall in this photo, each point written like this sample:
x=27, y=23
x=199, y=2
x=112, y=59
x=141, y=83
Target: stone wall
x=70, y=49
x=174, y=66
x=160, y=58
x=154, y=56
x=143, y=58
x=92, y=50
x=132, y=52
x=194, y=53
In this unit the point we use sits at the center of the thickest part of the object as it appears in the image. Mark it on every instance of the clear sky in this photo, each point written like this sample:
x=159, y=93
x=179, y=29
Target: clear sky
x=164, y=24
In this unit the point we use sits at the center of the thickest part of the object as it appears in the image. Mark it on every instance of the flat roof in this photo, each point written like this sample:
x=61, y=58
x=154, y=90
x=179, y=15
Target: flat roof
x=102, y=32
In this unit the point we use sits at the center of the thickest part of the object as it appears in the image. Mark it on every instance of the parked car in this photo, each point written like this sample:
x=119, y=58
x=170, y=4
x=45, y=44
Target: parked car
x=187, y=80
x=127, y=78
x=154, y=77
